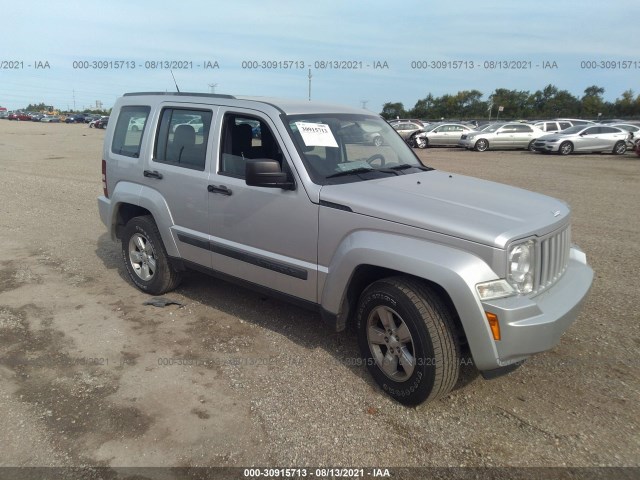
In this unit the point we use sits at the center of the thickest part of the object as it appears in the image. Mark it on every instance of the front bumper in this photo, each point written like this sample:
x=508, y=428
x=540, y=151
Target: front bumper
x=546, y=147
x=533, y=324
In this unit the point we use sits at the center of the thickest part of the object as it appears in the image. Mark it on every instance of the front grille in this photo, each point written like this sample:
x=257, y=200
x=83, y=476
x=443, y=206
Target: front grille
x=554, y=258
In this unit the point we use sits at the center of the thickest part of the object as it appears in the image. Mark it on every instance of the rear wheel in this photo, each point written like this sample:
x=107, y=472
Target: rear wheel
x=407, y=339
x=565, y=148
x=620, y=148
x=145, y=257
x=482, y=145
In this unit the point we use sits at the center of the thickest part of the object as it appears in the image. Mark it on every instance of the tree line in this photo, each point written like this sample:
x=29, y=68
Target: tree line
x=550, y=102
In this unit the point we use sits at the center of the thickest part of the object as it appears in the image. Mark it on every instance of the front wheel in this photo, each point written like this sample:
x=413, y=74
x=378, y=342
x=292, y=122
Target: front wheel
x=565, y=148
x=422, y=142
x=377, y=141
x=620, y=148
x=482, y=145
x=530, y=147
x=407, y=339
x=145, y=257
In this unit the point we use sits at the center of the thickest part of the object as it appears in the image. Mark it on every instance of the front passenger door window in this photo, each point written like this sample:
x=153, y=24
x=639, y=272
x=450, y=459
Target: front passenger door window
x=245, y=137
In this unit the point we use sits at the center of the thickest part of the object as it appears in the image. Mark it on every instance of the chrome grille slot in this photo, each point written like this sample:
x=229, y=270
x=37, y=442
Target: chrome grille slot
x=554, y=258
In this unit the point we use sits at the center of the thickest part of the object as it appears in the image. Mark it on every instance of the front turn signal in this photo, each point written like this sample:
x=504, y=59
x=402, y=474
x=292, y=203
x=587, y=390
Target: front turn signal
x=492, y=318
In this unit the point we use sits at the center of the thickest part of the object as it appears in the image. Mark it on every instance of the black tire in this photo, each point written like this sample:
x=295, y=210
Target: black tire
x=530, y=146
x=160, y=275
x=419, y=333
x=565, y=148
x=481, y=145
x=620, y=148
x=422, y=143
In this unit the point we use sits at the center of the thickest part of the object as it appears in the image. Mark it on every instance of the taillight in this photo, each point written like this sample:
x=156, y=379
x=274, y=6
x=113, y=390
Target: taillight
x=104, y=178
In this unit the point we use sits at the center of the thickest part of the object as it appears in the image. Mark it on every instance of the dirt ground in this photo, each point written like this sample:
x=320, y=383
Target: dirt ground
x=89, y=375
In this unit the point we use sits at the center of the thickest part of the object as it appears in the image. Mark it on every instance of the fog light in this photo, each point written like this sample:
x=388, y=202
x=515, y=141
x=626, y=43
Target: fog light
x=492, y=318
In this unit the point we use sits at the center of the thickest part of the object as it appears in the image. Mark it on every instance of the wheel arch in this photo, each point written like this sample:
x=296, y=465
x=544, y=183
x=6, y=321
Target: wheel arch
x=366, y=274
x=451, y=272
x=133, y=200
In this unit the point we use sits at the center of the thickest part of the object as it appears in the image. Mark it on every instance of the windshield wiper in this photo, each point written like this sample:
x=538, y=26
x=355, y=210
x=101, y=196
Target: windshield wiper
x=351, y=172
x=404, y=166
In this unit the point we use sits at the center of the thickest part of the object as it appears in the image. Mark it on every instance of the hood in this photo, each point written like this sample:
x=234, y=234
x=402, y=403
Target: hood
x=473, y=209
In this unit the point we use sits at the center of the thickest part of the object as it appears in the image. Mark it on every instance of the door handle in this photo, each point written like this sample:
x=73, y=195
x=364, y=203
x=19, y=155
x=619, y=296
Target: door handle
x=153, y=174
x=219, y=189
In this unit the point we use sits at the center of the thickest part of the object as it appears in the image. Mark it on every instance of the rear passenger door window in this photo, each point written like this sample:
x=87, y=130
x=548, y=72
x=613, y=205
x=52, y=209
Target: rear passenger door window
x=182, y=137
x=127, y=137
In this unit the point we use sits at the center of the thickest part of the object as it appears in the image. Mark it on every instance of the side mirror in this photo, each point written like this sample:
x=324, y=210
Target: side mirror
x=266, y=173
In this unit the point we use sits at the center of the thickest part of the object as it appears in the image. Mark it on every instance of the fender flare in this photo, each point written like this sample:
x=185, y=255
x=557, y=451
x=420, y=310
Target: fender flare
x=455, y=270
x=151, y=200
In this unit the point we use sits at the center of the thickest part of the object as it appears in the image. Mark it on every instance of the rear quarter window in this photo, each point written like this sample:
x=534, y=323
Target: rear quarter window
x=127, y=136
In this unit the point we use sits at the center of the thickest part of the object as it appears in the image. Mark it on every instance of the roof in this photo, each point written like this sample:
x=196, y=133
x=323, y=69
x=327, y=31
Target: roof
x=287, y=106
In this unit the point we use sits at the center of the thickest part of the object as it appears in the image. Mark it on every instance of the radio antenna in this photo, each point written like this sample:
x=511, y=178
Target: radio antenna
x=174, y=81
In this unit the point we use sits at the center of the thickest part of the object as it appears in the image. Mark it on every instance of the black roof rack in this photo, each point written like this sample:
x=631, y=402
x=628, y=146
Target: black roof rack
x=180, y=94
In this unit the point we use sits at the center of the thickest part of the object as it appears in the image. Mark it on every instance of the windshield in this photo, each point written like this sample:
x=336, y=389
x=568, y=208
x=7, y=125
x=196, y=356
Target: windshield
x=338, y=148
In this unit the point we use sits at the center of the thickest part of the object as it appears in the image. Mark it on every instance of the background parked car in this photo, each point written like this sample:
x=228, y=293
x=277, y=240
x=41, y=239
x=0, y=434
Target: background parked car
x=102, y=123
x=550, y=126
x=439, y=134
x=21, y=116
x=501, y=136
x=635, y=134
x=405, y=129
x=75, y=118
x=50, y=119
x=92, y=123
x=589, y=138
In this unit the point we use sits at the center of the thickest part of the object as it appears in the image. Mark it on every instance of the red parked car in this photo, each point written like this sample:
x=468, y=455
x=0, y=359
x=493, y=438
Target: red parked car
x=102, y=123
x=19, y=116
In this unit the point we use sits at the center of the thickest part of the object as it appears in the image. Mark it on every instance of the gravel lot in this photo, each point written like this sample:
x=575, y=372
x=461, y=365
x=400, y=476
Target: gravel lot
x=85, y=368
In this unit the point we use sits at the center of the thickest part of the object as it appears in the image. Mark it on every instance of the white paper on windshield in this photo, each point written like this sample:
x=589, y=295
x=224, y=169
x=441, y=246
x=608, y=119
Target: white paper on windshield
x=316, y=134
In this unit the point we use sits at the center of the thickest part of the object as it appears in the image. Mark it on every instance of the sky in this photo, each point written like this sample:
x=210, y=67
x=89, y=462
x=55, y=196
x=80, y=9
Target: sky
x=359, y=53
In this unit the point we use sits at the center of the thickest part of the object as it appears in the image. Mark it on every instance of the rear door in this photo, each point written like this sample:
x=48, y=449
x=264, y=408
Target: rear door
x=609, y=136
x=503, y=138
x=179, y=170
x=522, y=136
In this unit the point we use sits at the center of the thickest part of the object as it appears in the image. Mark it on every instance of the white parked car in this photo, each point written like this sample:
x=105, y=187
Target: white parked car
x=584, y=138
x=501, y=136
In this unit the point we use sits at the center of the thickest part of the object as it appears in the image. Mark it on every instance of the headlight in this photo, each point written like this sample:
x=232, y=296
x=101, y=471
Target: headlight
x=520, y=266
x=553, y=140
